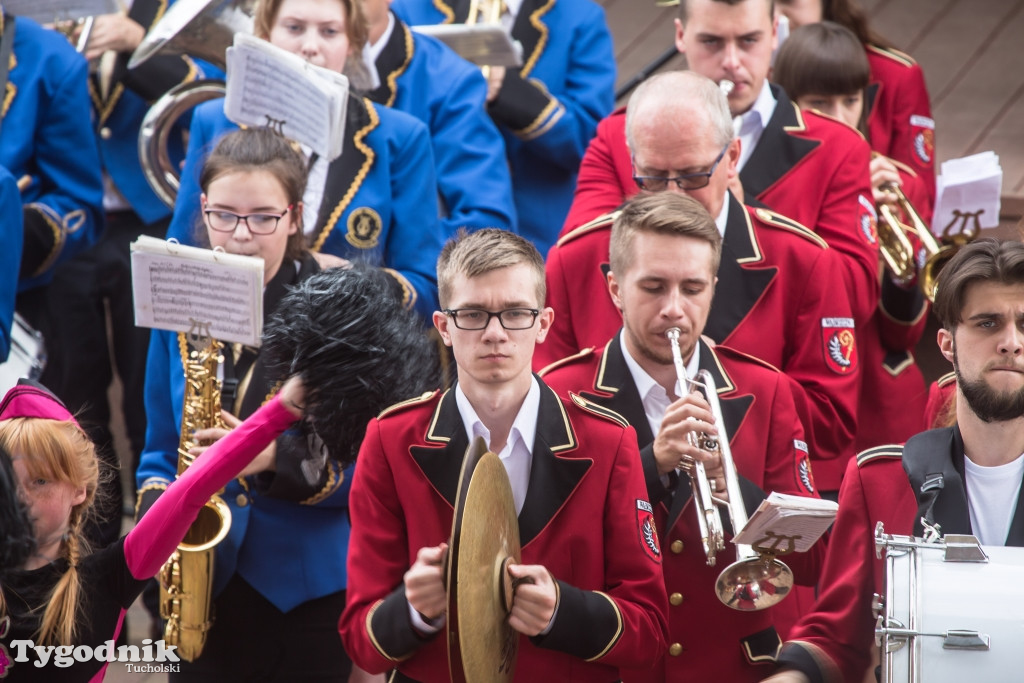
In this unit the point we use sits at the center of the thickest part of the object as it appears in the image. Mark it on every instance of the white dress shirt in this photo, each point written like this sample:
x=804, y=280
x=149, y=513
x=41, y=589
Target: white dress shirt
x=517, y=454
x=653, y=396
x=750, y=124
x=992, y=498
x=372, y=52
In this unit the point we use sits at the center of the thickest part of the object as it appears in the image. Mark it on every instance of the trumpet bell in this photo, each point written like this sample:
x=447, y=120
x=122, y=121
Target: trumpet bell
x=753, y=584
x=198, y=28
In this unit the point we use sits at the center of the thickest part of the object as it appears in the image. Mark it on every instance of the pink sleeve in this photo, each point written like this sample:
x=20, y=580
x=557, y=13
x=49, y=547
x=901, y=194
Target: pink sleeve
x=162, y=528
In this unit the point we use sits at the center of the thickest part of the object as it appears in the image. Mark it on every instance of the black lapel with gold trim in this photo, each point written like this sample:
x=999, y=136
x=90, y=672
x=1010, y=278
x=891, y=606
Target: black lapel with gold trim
x=441, y=459
x=777, y=152
x=532, y=32
x=614, y=388
x=455, y=11
x=394, y=59
x=346, y=173
x=739, y=288
x=552, y=478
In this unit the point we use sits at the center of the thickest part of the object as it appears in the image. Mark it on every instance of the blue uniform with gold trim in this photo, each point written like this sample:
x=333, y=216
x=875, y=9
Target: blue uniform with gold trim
x=380, y=198
x=549, y=109
x=421, y=76
x=10, y=225
x=288, y=537
x=48, y=137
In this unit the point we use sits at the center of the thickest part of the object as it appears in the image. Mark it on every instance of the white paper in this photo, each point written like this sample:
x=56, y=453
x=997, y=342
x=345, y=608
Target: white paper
x=47, y=11
x=182, y=289
x=482, y=44
x=788, y=522
x=268, y=86
x=968, y=195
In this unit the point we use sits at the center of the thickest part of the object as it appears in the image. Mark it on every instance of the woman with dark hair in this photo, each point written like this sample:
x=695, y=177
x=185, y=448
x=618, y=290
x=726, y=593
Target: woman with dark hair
x=822, y=66
x=897, y=110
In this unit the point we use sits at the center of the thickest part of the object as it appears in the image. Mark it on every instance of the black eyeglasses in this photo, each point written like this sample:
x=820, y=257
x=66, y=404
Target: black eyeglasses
x=479, y=319
x=258, y=223
x=690, y=181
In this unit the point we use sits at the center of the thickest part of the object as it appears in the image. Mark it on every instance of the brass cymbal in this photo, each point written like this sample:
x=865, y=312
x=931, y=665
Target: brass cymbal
x=482, y=646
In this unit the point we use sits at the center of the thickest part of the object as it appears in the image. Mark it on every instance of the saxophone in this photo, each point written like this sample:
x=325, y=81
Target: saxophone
x=186, y=579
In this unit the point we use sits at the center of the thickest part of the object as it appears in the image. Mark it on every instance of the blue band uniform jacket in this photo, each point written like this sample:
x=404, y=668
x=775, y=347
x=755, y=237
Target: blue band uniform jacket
x=549, y=109
x=380, y=198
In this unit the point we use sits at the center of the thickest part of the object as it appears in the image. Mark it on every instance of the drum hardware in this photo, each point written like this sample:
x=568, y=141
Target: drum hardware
x=947, y=601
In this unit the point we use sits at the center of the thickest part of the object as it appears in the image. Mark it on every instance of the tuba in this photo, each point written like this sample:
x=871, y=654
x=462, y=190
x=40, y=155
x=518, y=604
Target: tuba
x=186, y=579
x=198, y=28
x=898, y=251
x=756, y=580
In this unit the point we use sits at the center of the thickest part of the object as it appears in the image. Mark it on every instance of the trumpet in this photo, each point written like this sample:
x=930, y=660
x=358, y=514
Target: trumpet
x=69, y=27
x=757, y=579
x=898, y=252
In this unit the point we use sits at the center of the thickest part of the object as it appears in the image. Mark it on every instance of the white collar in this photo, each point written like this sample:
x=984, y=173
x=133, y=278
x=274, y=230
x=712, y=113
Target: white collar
x=513, y=6
x=525, y=424
x=763, y=107
x=372, y=52
x=722, y=219
x=644, y=382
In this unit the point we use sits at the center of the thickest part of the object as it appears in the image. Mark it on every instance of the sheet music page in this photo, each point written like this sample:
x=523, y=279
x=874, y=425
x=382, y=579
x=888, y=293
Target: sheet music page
x=45, y=11
x=782, y=519
x=176, y=286
x=482, y=44
x=968, y=195
x=268, y=86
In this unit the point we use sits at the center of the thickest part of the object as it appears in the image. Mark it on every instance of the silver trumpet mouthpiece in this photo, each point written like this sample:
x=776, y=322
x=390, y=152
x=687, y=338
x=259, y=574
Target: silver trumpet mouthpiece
x=726, y=86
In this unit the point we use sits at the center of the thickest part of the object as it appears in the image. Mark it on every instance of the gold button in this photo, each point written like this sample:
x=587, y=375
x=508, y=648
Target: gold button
x=241, y=500
x=676, y=598
x=677, y=547
x=105, y=133
x=675, y=649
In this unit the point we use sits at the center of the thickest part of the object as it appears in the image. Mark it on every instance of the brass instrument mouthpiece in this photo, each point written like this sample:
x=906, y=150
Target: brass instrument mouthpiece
x=726, y=86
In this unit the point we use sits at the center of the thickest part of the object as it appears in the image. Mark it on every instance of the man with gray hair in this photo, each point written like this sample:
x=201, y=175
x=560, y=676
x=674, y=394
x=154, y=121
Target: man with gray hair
x=807, y=166
x=780, y=295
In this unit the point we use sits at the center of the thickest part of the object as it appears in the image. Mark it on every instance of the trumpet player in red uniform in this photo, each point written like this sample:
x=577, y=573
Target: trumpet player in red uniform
x=665, y=250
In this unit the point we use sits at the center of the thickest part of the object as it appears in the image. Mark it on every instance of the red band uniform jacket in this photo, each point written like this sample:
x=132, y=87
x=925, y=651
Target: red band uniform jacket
x=780, y=298
x=708, y=641
x=900, y=123
x=806, y=166
x=584, y=518
x=883, y=485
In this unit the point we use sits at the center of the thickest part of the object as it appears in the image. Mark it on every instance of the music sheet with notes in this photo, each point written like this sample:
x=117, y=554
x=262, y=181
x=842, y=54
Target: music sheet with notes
x=184, y=289
x=47, y=11
x=268, y=86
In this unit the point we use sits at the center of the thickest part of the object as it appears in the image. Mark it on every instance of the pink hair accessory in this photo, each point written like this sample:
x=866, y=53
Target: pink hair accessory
x=31, y=399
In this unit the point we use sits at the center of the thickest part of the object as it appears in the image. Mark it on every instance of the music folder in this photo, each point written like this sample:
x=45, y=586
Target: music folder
x=188, y=289
x=781, y=518
x=482, y=44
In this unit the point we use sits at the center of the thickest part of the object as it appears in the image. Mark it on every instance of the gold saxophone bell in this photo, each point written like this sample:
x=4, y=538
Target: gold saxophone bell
x=898, y=252
x=757, y=579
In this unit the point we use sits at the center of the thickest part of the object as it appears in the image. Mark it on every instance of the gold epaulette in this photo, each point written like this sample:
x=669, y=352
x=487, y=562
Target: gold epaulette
x=596, y=409
x=568, y=359
x=893, y=54
x=780, y=221
x=839, y=121
x=947, y=379
x=887, y=451
x=416, y=400
x=602, y=221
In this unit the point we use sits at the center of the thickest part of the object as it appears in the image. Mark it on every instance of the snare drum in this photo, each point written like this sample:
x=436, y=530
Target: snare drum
x=27, y=356
x=953, y=611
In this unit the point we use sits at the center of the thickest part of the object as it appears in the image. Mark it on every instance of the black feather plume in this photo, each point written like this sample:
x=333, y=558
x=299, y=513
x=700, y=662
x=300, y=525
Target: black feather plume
x=357, y=349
